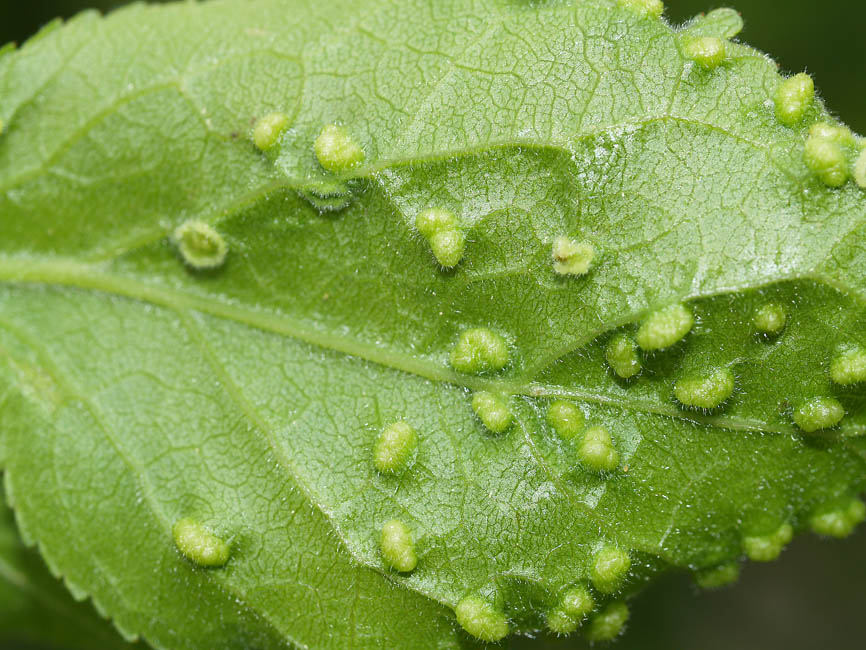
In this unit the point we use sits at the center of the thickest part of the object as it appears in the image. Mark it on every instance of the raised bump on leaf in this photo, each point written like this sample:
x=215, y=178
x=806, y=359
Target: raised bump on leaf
x=394, y=447
x=766, y=548
x=839, y=521
x=609, y=568
x=837, y=133
x=653, y=8
x=818, y=413
x=608, y=623
x=860, y=170
x=707, y=51
x=770, y=319
x=397, y=547
x=327, y=195
x=492, y=410
x=481, y=619
x=198, y=544
x=707, y=390
x=826, y=158
x=793, y=98
x=849, y=366
x=336, y=150
x=569, y=613
x=665, y=327
x=200, y=245
x=718, y=576
x=479, y=350
x=444, y=234
x=571, y=257
x=565, y=418
x=596, y=450
x=268, y=130
x=622, y=356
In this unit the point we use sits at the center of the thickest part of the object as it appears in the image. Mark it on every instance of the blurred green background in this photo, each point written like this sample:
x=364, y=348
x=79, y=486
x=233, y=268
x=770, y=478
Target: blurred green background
x=813, y=599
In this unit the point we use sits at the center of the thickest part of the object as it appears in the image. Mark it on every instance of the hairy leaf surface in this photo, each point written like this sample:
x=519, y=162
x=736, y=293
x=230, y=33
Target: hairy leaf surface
x=138, y=390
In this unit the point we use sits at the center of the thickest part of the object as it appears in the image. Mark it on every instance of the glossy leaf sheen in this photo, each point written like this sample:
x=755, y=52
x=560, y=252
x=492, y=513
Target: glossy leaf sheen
x=136, y=391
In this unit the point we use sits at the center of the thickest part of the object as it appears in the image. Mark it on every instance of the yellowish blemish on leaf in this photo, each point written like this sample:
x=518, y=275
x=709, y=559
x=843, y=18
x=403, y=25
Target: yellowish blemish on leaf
x=479, y=350
x=849, y=366
x=443, y=232
x=572, y=609
x=718, y=576
x=481, y=619
x=793, y=98
x=336, y=150
x=565, y=418
x=609, y=568
x=652, y=8
x=665, y=327
x=596, y=450
x=826, y=158
x=200, y=245
x=839, y=521
x=770, y=319
x=199, y=545
x=492, y=410
x=268, y=130
x=766, y=548
x=397, y=547
x=571, y=257
x=707, y=51
x=622, y=356
x=819, y=413
x=394, y=447
x=608, y=623
x=707, y=390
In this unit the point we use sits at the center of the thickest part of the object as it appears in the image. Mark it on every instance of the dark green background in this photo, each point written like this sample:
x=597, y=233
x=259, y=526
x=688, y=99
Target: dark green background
x=815, y=599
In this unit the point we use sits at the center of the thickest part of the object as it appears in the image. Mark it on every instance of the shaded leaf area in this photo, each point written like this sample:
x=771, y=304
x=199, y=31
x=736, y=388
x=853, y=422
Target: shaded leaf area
x=249, y=397
x=36, y=608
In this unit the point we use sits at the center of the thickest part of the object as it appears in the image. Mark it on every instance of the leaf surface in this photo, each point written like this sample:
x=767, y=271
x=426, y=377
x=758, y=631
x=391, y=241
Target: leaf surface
x=138, y=391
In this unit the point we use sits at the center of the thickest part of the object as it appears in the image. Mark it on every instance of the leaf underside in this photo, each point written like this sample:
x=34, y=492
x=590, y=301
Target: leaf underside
x=136, y=391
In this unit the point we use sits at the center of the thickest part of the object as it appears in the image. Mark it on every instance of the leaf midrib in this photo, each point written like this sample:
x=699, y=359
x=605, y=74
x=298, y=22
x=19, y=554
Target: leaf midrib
x=75, y=275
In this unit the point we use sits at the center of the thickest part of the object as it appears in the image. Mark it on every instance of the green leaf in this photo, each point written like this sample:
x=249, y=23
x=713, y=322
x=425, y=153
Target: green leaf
x=194, y=329
x=36, y=608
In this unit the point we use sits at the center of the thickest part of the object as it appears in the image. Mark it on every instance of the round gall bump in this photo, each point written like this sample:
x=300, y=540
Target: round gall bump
x=860, y=170
x=622, y=356
x=849, y=366
x=492, y=410
x=826, y=158
x=198, y=544
x=565, y=418
x=837, y=133
x=336, y=150
x=650, y=8
x=793, y=98
x=819, y=413
x=609, y=568
x=268, y=130
x=665, y=327
x=444, y=234
x=571, y=257
x=596, y=450
x=840, y=521
x=770, y=319
x=706, y=391
x=766, y=548
x=718, y=576
x=481, y=619
x=397, y=547
x=707, y=51
x=200, y=246
x=479, y=350
x=608, y=623
x=567, y=616
x=394, y=447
